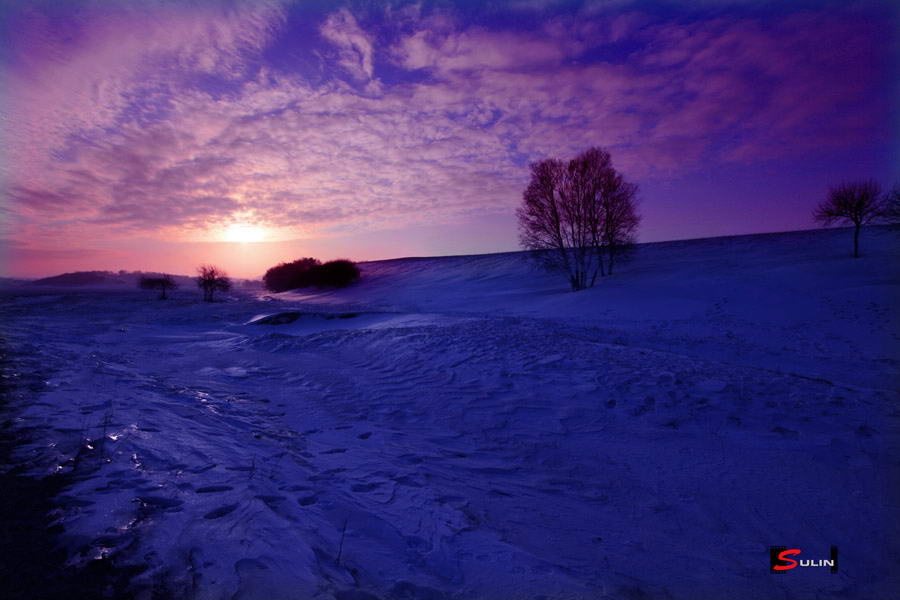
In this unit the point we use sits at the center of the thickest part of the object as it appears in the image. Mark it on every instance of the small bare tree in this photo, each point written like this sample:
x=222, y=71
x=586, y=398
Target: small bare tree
x=856, y=202
x=579, y=216
x=163, y=284
x=890, y=209
x=212, y=279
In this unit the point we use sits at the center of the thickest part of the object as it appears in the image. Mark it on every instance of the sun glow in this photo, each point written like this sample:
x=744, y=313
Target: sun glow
x=244, y=233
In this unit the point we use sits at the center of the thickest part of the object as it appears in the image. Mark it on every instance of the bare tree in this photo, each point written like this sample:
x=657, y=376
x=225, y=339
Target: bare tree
x=541, y=218
x=163, y=284
x=619, y=218
x=578, y=216
x=890, y=208
x=212, y=279
x=856, y=202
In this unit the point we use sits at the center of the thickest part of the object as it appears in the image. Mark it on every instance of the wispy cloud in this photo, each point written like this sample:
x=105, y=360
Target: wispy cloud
x=353, y=47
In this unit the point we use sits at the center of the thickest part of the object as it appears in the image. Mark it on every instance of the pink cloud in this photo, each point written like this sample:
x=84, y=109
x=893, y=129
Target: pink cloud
x=353, y=45
x=477, y=49
x=58, y=85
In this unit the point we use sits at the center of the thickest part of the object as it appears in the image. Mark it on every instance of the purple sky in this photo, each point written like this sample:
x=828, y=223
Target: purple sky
x=157, y=135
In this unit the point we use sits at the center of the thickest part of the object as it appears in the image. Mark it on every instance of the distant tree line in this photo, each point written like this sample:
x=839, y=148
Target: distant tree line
x=210, y=279
x=579, y=217
x=79, y=278
x=301, y=273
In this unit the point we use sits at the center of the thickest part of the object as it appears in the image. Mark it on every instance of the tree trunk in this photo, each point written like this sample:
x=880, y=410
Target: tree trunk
x=856, y=241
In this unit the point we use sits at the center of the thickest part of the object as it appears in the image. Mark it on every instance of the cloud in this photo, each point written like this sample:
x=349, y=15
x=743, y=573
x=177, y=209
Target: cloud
x=112, y=135
x=79, y=69
x=354, y=47
x=477, y=49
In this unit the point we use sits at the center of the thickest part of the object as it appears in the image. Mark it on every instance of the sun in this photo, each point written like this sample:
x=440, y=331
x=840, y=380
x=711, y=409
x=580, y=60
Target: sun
x=244, y=233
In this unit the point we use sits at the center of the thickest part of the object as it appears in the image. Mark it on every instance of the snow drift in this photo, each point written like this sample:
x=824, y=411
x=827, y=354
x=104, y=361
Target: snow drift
x=474, y=430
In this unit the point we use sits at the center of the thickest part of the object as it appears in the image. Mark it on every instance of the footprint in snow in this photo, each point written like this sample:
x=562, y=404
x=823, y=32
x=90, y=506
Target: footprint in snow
x=354, y=595
x=365, y=487
x=220, y=512
x=295, y=488
x=71, y=501
x=211, y=489
x=158, y=502
x=308, y=500
x=271, y=501
x=786, y=433
x=864, y=431
x=408, y=481
x=710, y=385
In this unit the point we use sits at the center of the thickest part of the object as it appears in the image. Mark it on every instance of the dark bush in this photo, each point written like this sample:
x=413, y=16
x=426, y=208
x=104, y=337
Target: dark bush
x=290, y=276
x=335, y=274
x=307, y=272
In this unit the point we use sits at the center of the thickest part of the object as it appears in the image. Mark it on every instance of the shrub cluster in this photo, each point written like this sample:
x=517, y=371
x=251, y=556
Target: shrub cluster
x=289, y=276
x=305, y=272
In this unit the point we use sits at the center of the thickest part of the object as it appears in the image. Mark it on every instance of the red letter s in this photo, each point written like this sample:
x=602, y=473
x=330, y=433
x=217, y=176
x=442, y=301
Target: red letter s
x=782, y=556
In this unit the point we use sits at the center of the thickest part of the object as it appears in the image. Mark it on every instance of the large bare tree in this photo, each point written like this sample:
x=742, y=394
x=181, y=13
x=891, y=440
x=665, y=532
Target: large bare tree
x=212, y=279
x=578, y=216
x=855, y=202
x=619, y=217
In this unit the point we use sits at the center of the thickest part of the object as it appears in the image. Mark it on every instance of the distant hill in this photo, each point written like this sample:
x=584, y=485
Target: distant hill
x=79, y=278
x=105, y=279
x=12, y=281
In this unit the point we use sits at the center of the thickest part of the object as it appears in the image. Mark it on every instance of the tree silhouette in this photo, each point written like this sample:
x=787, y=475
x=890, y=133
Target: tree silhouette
x=163, y=284
x=212, y=279
x=890, y=210
x=290, y=276
x=578, y=216
x=335, y=274
x=305, y=272
x=856, y=202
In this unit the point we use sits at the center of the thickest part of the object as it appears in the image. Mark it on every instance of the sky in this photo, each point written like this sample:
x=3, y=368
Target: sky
x=157, y=135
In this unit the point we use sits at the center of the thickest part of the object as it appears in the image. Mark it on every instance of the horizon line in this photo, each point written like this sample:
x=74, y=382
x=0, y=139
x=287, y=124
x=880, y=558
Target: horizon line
x=434, y=256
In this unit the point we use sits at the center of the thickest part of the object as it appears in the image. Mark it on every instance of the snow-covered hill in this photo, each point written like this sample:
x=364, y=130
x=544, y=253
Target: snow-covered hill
x=757, y=298
x=465, y=427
